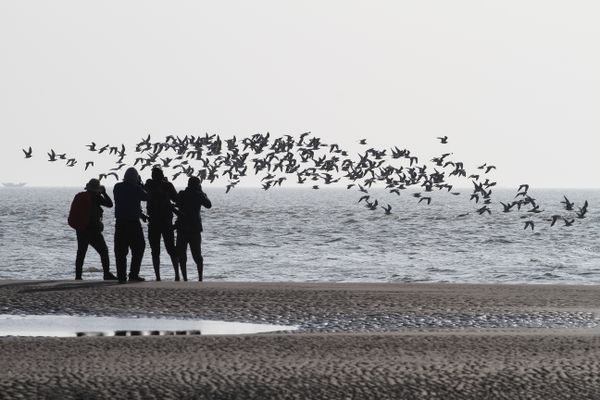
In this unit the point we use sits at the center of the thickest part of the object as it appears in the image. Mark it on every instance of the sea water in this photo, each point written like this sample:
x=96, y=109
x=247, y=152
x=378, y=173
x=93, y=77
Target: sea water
x=305, y=235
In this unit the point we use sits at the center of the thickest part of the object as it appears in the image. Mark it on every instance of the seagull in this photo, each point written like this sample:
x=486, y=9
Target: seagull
x=568, y=205
x=372, y=206
x=554, y=219
x=529, y=224
x=28, y=153
x=362, y=141
x=89, y=164
x=569, y=223
x=428, y=199
x=103, y=176
x=443, y=139
x=52, y=155
x=582, y=210
x=535, y=210
x=484, y=209
x=524, y=186
x=507, y=207
x=388, y=209
x=91, y=147
x=489, y=168
x=230, y=186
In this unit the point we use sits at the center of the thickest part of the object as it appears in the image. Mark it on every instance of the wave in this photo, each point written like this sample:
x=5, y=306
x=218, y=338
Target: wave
x=497, y=240
x=247, y=244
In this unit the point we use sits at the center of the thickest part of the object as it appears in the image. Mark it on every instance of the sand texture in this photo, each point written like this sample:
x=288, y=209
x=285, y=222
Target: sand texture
x=356, y=341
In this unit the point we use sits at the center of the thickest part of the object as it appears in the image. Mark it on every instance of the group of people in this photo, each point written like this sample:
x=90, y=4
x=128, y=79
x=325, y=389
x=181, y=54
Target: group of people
x=163, y=204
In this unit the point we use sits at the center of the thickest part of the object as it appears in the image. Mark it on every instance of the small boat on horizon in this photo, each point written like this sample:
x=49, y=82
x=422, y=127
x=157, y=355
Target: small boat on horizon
x=13, y=185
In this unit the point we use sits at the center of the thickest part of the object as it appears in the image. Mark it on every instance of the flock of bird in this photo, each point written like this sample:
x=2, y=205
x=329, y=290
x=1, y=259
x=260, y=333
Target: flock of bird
x=310, y=161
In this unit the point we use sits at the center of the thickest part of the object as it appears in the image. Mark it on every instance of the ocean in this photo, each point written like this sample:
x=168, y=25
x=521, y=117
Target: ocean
x=305, y=235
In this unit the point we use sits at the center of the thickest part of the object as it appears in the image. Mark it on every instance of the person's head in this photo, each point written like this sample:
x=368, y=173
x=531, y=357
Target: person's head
x=93, y=186
x=157, y=174
x=131, y=176
x=194, y=182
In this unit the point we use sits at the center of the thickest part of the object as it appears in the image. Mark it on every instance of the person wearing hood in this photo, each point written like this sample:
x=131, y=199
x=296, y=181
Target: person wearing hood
x=91, y=235
x=161, y=194
x=128, y=230
x=189, y=225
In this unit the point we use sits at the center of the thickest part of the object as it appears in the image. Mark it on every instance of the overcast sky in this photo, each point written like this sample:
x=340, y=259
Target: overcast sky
x=512, y=83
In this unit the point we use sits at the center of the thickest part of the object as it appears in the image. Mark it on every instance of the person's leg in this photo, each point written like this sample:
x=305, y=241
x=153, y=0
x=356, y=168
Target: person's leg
x=181, y=248
x=138, y=245
x=82, y=246
x=195, y=246
x=121, y=250
x=154, y=240
x=98, y=243
x=168, y=234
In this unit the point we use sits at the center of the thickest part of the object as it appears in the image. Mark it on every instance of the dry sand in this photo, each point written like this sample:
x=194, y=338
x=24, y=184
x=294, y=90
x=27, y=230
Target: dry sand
x=356, y=341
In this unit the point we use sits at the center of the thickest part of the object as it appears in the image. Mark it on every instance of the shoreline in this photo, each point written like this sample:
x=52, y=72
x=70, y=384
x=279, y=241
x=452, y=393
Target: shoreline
x=356, y=341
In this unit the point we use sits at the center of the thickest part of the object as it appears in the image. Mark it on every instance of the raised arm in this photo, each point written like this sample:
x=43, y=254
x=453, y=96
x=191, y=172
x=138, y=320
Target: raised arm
x=105, y=200
x=204, y=200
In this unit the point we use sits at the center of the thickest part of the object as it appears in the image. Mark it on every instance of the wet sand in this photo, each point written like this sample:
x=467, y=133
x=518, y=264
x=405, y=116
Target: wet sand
x=422, y=341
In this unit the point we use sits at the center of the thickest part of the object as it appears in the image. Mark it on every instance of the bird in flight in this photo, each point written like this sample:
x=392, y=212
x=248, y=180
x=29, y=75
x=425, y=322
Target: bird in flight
x=52, y=155
x=363, y=141
x=28, y=152
x=568, y=205
x=484, y=209
x=529, y=224
x=582, y=210
x=443, y=139
x=428, y=199
x=569, y=222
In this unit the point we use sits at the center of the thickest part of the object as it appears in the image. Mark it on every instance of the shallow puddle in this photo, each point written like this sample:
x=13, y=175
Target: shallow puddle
x=67, y=325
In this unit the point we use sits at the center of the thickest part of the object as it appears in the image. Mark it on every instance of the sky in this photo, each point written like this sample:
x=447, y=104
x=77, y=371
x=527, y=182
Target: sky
x=512, y=83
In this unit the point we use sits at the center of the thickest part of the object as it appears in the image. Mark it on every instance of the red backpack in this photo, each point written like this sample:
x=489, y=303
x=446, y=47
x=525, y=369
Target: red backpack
x=81, y=209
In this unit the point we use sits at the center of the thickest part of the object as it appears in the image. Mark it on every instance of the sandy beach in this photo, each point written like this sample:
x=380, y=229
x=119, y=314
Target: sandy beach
x=410, y=341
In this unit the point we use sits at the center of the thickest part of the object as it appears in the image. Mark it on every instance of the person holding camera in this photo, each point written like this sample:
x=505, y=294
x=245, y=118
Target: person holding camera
x=161, y=194
x=86, y=217
x=189, y=225
x=128, y=230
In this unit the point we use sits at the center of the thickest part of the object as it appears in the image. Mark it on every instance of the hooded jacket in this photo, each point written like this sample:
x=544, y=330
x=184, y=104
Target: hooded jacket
x=128, y=197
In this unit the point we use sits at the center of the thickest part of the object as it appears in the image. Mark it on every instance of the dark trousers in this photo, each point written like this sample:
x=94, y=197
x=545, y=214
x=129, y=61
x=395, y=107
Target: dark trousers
x=155, y=231
x=96, y=240
x=194, y=240
x=129, y=235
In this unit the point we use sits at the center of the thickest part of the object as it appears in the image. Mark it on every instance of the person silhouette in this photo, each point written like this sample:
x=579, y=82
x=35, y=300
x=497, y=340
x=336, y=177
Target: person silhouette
x=189, y=225
x=160, y=219
x=128, y=230
x=91, y=234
